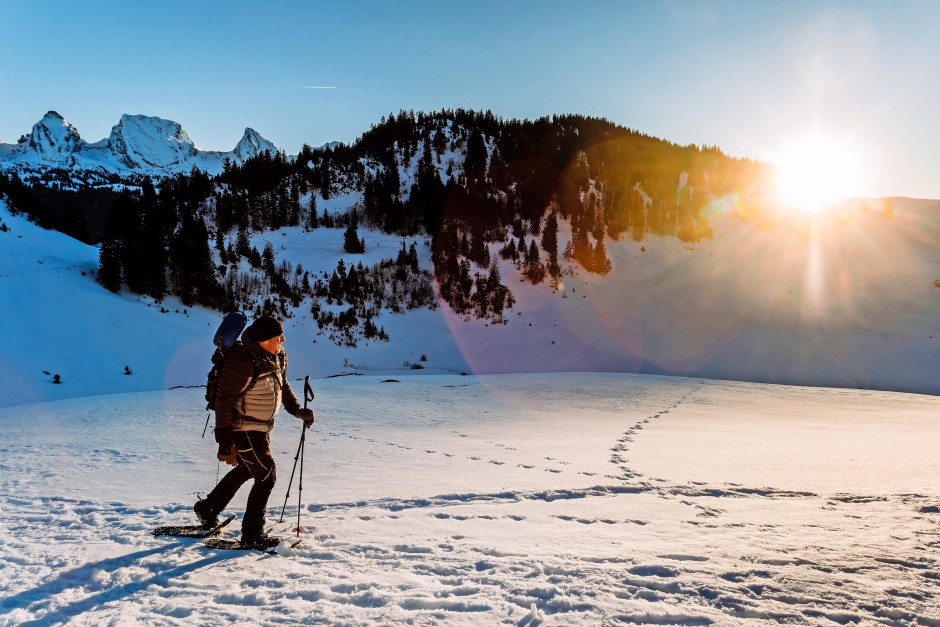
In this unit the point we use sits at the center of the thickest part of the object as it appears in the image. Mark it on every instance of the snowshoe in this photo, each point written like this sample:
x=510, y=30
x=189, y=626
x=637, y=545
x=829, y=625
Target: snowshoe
x=260, y=542
x=191, y=531
x=265, y=544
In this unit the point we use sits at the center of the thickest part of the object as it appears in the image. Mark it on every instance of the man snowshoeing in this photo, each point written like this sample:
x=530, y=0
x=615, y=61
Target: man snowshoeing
x=244, y=418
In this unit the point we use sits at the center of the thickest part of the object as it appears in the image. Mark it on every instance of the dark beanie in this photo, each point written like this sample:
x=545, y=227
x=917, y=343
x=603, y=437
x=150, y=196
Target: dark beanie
x=265, y=328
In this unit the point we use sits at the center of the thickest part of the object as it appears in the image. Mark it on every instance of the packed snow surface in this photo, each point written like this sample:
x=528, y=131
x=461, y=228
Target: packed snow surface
x=553, y=499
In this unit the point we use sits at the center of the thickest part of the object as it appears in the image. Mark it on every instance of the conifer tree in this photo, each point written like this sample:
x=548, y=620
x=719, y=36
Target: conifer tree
x=475, y=161
x=242, y=244
x=413, y=257
x=494, y=280
x=294, y=204
x=601, y=264
x=351, y=241
x=73, y=223
x=312, y=219
x=550, y=243
x=155, y=239
x=109, y=265
x=111, y=255
x=533, y=253
x=402, y=259
x=191, y=264
x=267, y=259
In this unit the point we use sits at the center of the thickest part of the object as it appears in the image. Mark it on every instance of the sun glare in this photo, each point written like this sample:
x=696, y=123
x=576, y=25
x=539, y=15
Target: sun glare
x=816, y=171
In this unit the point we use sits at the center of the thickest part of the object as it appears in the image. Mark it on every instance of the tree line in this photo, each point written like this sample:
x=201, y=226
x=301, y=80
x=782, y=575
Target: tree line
x=480, y=188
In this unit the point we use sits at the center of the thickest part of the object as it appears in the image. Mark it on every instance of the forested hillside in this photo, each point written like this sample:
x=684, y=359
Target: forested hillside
x=473, y=185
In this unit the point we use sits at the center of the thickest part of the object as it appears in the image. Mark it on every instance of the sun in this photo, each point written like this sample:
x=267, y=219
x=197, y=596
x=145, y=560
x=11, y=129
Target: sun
x=815, y=171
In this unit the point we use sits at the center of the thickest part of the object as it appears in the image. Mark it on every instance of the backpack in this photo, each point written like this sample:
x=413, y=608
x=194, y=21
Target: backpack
x=219, y=359
x=221, y=356
x=226, y=346
x=225, y=337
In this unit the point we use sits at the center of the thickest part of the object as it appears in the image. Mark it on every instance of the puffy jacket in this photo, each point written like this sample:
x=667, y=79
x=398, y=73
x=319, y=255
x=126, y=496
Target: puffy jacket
x=253, y=409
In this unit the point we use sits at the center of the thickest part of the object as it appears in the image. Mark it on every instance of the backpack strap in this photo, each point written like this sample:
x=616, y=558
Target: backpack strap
x=255, y=371
x=281, y=358
x=282, y=366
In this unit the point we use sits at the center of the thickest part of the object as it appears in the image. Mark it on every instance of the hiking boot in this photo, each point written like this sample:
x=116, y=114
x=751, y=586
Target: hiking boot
x=207, y=519
x=260, y=541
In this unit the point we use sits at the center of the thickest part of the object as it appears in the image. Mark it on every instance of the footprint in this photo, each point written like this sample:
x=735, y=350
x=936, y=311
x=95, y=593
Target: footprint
x=653, y=571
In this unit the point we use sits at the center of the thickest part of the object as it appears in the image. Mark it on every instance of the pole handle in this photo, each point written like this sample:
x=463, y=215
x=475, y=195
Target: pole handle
x=308, y=391
x=308, y=396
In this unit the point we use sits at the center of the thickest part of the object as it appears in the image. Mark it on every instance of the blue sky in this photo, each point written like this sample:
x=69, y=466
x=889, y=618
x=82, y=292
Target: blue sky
x=744, y=76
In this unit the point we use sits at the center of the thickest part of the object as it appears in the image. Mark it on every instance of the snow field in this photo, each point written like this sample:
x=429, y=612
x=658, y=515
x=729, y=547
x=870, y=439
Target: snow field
x=550, y=499
x=849, y=303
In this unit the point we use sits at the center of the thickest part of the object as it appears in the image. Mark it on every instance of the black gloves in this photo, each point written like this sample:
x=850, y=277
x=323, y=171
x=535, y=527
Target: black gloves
x=307, y=416
x=226, y=448
x=230, y=457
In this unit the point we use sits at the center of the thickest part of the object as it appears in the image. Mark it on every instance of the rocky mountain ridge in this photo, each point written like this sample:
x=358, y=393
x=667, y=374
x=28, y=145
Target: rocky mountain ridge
x=137, y=146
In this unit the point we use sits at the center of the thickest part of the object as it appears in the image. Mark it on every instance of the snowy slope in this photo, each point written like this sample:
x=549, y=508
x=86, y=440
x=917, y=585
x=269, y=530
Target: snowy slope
x=59, y=321
x=846, y=301
x=850, y=303
x=553, y=499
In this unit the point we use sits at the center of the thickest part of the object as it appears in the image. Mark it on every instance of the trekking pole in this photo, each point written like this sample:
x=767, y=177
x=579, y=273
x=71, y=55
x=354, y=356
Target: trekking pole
x=291, y=481
x=300, y=480
x=308, y=396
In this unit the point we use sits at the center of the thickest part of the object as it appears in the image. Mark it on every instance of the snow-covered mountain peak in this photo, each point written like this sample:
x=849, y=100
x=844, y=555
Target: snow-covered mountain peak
x=53, y=138
x=138, y=145
x=251, y=145
x=140, y=141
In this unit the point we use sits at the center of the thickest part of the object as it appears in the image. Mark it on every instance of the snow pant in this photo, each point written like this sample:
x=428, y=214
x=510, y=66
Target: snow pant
x=254, y=462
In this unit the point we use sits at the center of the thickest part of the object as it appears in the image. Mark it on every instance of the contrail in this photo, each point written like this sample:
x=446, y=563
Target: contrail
x=319, y=87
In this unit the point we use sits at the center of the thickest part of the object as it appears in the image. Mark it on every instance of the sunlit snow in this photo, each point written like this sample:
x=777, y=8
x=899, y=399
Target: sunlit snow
x=506, y=499
x=523, y=499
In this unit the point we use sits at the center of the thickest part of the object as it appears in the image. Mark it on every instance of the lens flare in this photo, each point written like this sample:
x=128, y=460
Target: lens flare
x=817, y=171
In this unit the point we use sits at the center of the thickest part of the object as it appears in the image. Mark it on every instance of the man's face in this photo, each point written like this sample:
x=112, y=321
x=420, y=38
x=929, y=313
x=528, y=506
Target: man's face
x=273, y=344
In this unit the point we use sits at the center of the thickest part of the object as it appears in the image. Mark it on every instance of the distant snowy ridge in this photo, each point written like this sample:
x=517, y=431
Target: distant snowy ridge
x=250, y=145
x=138, y=145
